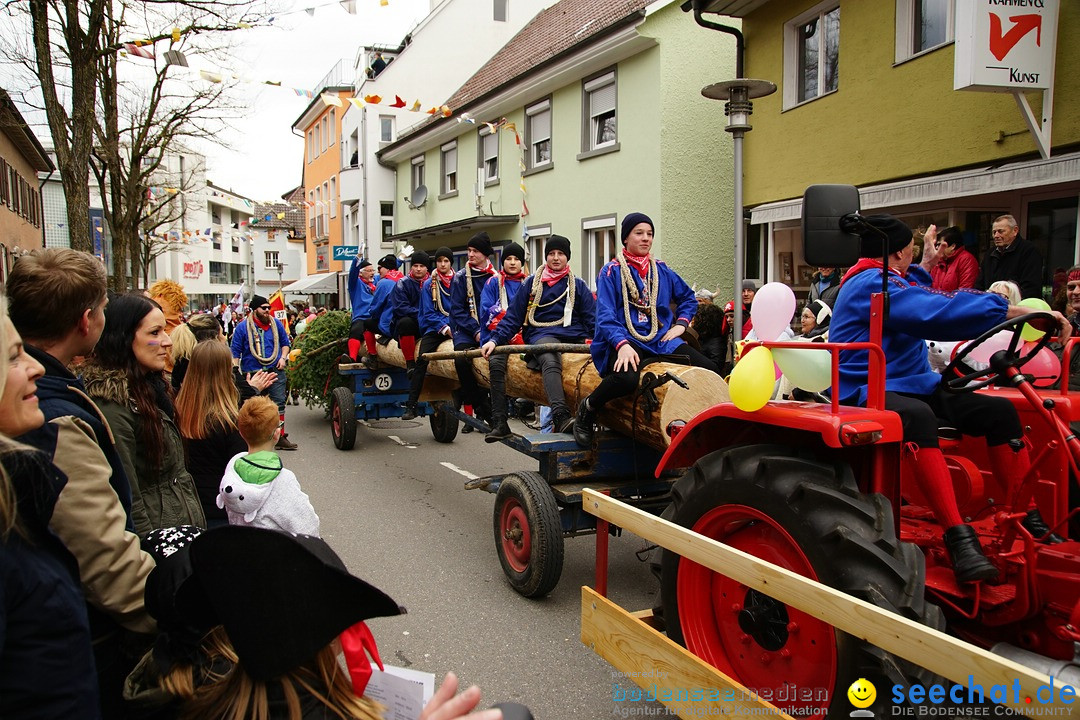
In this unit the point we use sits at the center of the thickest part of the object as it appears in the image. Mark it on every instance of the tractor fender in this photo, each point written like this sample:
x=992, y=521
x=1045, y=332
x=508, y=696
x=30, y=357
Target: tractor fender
x=722, y=424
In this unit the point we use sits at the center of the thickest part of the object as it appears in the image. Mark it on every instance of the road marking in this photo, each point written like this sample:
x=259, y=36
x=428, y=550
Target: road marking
x=459, y=471
x=401, y=442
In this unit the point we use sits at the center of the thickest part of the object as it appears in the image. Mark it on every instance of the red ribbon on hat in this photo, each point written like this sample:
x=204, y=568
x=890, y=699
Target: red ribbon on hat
x=356, y=643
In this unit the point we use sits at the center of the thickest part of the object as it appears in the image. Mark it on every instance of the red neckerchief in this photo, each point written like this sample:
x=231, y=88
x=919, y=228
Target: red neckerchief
x=641, y=262
x=394, y=275
x=258, y=324
x=867, y=264
x=445, y=279
x=507, y=276
x=369, y=283
x=550, y=277
x=420, y=281
x=488, y=270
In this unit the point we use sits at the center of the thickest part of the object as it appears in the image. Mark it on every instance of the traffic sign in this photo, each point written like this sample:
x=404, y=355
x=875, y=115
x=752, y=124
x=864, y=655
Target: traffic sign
x=345, y=252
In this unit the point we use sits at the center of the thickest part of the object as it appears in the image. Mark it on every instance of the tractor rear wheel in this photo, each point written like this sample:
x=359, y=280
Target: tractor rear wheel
x=807, y=516
x=528, y=533
x=343, y=418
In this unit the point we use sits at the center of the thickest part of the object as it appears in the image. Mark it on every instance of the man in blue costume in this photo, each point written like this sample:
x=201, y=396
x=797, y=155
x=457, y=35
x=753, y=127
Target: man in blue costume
x=466, y=292
x=381, y=311
x=913, y=390
x=405, y=307
x=361, y=293
x=634, y=321
x=552, y=306
x=499, y=292
x=434, y=322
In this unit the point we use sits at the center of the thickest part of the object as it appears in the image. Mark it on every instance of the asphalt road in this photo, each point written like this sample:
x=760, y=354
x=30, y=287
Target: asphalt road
x=404, y=522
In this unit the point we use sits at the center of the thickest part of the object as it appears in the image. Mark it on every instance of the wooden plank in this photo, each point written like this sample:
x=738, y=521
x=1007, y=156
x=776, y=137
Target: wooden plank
x=940, y=653
x=674, y=672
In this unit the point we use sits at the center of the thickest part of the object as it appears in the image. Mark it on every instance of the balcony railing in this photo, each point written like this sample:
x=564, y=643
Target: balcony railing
x=340, y=75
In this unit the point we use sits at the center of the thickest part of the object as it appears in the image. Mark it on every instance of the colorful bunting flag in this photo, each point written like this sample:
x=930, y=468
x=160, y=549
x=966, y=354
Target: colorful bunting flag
x=373, y=99
x=136, y=50
x=329, y=99
x=398, y=102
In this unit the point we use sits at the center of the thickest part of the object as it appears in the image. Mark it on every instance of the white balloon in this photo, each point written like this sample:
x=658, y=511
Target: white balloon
x=992, y=344
x=772, y=310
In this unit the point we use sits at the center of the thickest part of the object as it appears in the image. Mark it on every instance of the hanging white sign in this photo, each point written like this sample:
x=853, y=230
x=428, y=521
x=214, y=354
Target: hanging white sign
x=1005, y=45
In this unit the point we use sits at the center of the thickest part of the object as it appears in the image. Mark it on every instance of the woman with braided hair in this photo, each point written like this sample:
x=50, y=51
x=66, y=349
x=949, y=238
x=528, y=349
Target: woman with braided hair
x=634, y=321
x=552, y=306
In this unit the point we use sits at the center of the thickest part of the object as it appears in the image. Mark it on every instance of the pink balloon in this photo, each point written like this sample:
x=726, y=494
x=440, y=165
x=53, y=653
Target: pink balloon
x=990, y=346
x=1045, y=366
x=772, y=310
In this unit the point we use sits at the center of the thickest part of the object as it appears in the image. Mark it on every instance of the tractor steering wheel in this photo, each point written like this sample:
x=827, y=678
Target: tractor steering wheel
x=957, y=382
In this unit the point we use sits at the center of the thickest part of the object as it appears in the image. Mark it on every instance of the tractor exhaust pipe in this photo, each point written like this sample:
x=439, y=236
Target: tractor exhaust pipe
x=1067, y=671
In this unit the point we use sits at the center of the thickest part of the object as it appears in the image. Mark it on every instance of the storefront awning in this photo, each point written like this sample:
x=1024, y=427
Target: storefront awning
x=473, y=223
x=319, y=283
x=947, y=186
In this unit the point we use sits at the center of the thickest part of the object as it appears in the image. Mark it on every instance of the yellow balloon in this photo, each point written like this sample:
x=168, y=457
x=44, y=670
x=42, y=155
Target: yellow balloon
x=1029, y=333
x=752, y=381
x=809, y=369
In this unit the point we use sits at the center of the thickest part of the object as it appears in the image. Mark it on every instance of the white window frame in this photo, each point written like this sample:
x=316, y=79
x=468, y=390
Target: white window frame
x=325, y=132
x=591, y=231
x=488, y=155
x=792, y=59
x=386, y=128
x=416, y=174
x=332, y=137
x=386, y=220
x=271, y=259
x=333, y=197
x=535, y=115
x=318, y=139
x=449, y=181
x=498, y=10
x=534, y=246
x=597, y=88
x=905, y=30
x=311, y=145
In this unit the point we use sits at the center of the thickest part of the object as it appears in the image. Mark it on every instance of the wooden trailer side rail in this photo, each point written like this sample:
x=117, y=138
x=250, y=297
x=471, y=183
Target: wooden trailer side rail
x=942, y=654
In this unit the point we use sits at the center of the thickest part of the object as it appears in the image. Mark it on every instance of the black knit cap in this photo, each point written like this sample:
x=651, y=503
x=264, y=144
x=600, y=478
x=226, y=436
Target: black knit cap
x=258, y=301
x=557, y=242
x=444, y=252
x=897, y=233
x=631, y=221
x=513, y=250
x=389, y=262
x=364, y=264
x=420, y=258
x=482, y=242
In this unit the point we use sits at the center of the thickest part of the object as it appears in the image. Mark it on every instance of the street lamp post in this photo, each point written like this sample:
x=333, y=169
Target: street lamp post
x=738, y=93
x=280, y=269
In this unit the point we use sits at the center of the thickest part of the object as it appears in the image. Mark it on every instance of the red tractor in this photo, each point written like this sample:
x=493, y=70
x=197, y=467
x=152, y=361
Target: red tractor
x=821, y=489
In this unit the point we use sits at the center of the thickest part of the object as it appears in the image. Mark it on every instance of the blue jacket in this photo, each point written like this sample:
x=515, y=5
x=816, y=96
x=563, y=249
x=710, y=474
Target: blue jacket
x=491, y=306
x=46, y=661
x=61, y=394
x=466, y=328
x=582, y=318
x=405, y=301
x=360, y=295
x=611, y=332
x=240, y=349
x=917, y=312
x=381, y=306
x=433, y=320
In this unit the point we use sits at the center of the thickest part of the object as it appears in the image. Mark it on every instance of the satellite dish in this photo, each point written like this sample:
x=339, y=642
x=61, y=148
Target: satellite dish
x=419, y=197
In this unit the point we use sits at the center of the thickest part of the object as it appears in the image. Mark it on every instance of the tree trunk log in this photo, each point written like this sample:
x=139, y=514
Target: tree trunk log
x=579, y=379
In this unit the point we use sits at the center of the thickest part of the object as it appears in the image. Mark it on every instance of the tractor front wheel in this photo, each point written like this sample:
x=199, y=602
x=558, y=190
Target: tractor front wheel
x=809, y=517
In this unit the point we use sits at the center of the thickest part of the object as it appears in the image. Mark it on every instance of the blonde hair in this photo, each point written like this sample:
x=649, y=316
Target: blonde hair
x=208, y=396
x=258, y=419
x=237, y=697
x=9, y=519
x=186, y=336
x=1007, y=288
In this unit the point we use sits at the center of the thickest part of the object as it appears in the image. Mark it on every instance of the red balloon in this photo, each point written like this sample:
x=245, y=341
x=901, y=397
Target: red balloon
x=1045, y=366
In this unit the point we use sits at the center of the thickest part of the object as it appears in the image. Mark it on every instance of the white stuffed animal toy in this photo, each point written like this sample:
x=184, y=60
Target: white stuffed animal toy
x=256, y=490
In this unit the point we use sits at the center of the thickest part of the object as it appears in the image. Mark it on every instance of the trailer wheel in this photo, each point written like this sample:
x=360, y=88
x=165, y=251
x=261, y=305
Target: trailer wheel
x=444, y=425
x=343, y=418
x=528, y=533
x=809, y=517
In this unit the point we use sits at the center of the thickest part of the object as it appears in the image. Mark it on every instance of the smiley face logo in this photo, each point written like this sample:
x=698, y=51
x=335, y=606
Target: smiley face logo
x=862, y=693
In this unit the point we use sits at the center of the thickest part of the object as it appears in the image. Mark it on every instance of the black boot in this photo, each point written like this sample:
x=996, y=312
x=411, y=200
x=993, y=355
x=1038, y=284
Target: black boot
x=1038, y=528
x=966, y=554
x=499, y=431
x=410, y=411
x=562, y=421
x=583, y=424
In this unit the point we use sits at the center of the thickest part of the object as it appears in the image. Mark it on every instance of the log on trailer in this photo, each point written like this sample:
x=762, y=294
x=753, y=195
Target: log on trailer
x=674, y=403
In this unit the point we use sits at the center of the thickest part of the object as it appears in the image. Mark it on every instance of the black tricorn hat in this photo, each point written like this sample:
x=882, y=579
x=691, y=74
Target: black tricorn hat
x=280, y=597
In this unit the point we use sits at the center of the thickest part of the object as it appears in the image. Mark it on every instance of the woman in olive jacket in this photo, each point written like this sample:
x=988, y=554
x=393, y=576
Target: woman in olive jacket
x=125, y=377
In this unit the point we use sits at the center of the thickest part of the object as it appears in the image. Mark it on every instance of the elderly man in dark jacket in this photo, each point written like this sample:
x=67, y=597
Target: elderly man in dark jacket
x=1012, y=258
